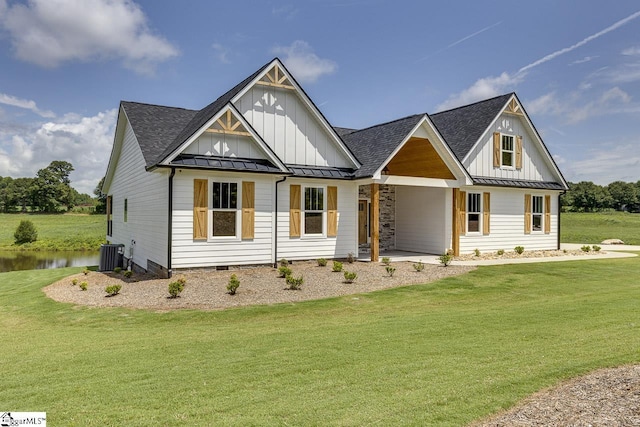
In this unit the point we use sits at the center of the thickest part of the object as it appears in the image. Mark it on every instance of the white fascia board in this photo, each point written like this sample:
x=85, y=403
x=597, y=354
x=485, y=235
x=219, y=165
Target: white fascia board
x=310, y=105
x=118, y=140
x=257, y=139
x=441, y=148
x=533, y=130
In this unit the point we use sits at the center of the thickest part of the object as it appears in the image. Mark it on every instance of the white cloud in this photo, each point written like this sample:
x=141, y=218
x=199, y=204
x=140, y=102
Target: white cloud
x=583, y=60
x=612, y=163
x=26, y=104
x=221, y=52
x=484, y=88
x=51, y=32
x=305, y=65
x=85, y=142
x=631, y=51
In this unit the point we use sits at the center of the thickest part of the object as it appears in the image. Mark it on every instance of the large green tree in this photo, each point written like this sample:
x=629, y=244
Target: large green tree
x=589, y=197
x=624, y=195
x=52, y=189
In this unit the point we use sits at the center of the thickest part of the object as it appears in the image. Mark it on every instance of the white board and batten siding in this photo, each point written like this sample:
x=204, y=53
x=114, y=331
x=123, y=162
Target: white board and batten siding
x=507, y=223
x=479, y=161
x=293, y=132
x=188, y=253
x=225, y=145
x=299, y=248
x=423, y=219
x=147, y=195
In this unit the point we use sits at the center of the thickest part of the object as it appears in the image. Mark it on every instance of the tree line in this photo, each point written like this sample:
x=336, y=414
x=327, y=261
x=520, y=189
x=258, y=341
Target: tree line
x=585, y=196
x=49, y=191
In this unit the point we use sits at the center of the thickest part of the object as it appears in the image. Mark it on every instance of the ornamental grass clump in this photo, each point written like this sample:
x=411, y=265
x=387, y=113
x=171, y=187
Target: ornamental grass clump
x=233, y=285
x=175, y=288
x=519, y=250
x=283, y=262
x=351, y=258
x=294, y=283
x=445, y=259
x=350, y=277
x=419, y=266
x=113, y=290
x=596, y=248
x=586, y=248
x=74, y=282
x=337, y=267
x=128, y=274
x=322, y=262
x=284, y=271
x=117, y=270
x=83, y=286
x=500, y=252
x=390, y=270
x=386, y=260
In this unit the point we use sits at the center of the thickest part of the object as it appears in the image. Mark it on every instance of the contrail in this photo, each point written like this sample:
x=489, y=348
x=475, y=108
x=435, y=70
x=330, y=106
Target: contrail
x=582, y=42
x=460, y=41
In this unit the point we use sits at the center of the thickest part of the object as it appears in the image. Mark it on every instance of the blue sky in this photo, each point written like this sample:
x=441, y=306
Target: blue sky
x=66, y=64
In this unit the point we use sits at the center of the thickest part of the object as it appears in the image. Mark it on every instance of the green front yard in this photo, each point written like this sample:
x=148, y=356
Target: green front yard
x=445, y=353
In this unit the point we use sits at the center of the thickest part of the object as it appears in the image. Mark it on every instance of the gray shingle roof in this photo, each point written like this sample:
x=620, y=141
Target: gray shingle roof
x=463, y=126
x=154, y=125
x=518, y=183
x=372, y=146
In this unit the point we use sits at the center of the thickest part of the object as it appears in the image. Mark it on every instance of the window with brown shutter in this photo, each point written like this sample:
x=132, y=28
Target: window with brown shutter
x=332, y=211
x=294, y=210
x=248, y=209
x=200, y=208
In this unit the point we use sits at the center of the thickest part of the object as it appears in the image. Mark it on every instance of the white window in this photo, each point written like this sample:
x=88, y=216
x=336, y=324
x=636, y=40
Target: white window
x=474, y=211
x=224, y=208
x=537, y=208
x=314, y=211
x=506, y=151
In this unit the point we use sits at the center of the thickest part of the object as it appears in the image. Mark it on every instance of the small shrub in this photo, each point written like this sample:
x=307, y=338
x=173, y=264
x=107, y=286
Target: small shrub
x=84, y=286
x=596, y=248
x=128, y=274
x=322, y=262
x=74, y=282
x=113, y=290
x=564, y=251
x=390, y=270
x=284, y=271
x=175, y=288
x=500, y=252
x=233, y=285
x=445, y=259
x=284, y=262
x=117, y=270
x=476, y=251
x=182, y=280
x=351, y=258
x=449, y=252
x=337, y=267
x=350, y=277
x=85, y=271
x=419, y=266
x=386, y=260
x=586, y=248
x=294, y=283
x=25, y=233
x=519, y=249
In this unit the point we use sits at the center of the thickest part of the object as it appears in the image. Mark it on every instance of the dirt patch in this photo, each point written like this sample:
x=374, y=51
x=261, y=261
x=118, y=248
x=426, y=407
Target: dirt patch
x=258, y=285
x=607, y=397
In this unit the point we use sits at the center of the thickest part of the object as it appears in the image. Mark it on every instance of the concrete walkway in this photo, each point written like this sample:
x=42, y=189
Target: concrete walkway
x=607, y=252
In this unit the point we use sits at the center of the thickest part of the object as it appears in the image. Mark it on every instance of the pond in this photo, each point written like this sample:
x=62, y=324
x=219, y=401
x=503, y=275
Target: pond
x=35, y=260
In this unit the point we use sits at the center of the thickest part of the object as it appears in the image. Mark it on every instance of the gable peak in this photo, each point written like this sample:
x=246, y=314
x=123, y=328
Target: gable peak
x=276, y=76
x=514, y=107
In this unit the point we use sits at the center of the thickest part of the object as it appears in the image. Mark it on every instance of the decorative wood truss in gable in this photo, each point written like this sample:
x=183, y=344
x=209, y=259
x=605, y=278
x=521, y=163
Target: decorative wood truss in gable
x=228, y=124
x=275, y=77
x=514, y=108
x=418, y=158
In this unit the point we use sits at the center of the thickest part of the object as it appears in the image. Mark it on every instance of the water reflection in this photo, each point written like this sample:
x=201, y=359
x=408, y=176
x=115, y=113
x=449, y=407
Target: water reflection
x=12, y=261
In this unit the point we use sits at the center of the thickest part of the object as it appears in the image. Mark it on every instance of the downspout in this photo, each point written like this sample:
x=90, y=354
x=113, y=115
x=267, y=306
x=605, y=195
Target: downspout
x=560, y=211
x=275, y=245
x=170, y=222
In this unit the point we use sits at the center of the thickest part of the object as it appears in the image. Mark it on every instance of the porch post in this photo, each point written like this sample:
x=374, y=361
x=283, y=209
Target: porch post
x=375, y=222
x=455, y=232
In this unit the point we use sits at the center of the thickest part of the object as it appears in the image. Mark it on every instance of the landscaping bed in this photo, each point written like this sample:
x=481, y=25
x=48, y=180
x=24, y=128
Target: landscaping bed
x=207, y=289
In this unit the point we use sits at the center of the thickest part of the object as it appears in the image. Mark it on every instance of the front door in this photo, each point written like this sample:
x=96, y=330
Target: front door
x=363, y=222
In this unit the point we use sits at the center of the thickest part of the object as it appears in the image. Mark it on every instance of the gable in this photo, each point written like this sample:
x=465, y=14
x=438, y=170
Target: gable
x=418, y=158
x=282, y=114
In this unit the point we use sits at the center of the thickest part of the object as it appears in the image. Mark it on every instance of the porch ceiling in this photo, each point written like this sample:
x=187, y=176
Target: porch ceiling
x=418, y=159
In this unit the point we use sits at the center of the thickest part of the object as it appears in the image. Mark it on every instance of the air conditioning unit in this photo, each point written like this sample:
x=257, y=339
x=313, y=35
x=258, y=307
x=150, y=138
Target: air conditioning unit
x=111, y=256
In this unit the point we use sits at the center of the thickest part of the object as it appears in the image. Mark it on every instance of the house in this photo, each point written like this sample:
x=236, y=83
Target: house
x=260, y=174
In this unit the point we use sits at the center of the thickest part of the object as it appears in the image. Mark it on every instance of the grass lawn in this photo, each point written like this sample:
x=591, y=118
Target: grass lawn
x=594, y=227
x=445, y=353
x=71, y=232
